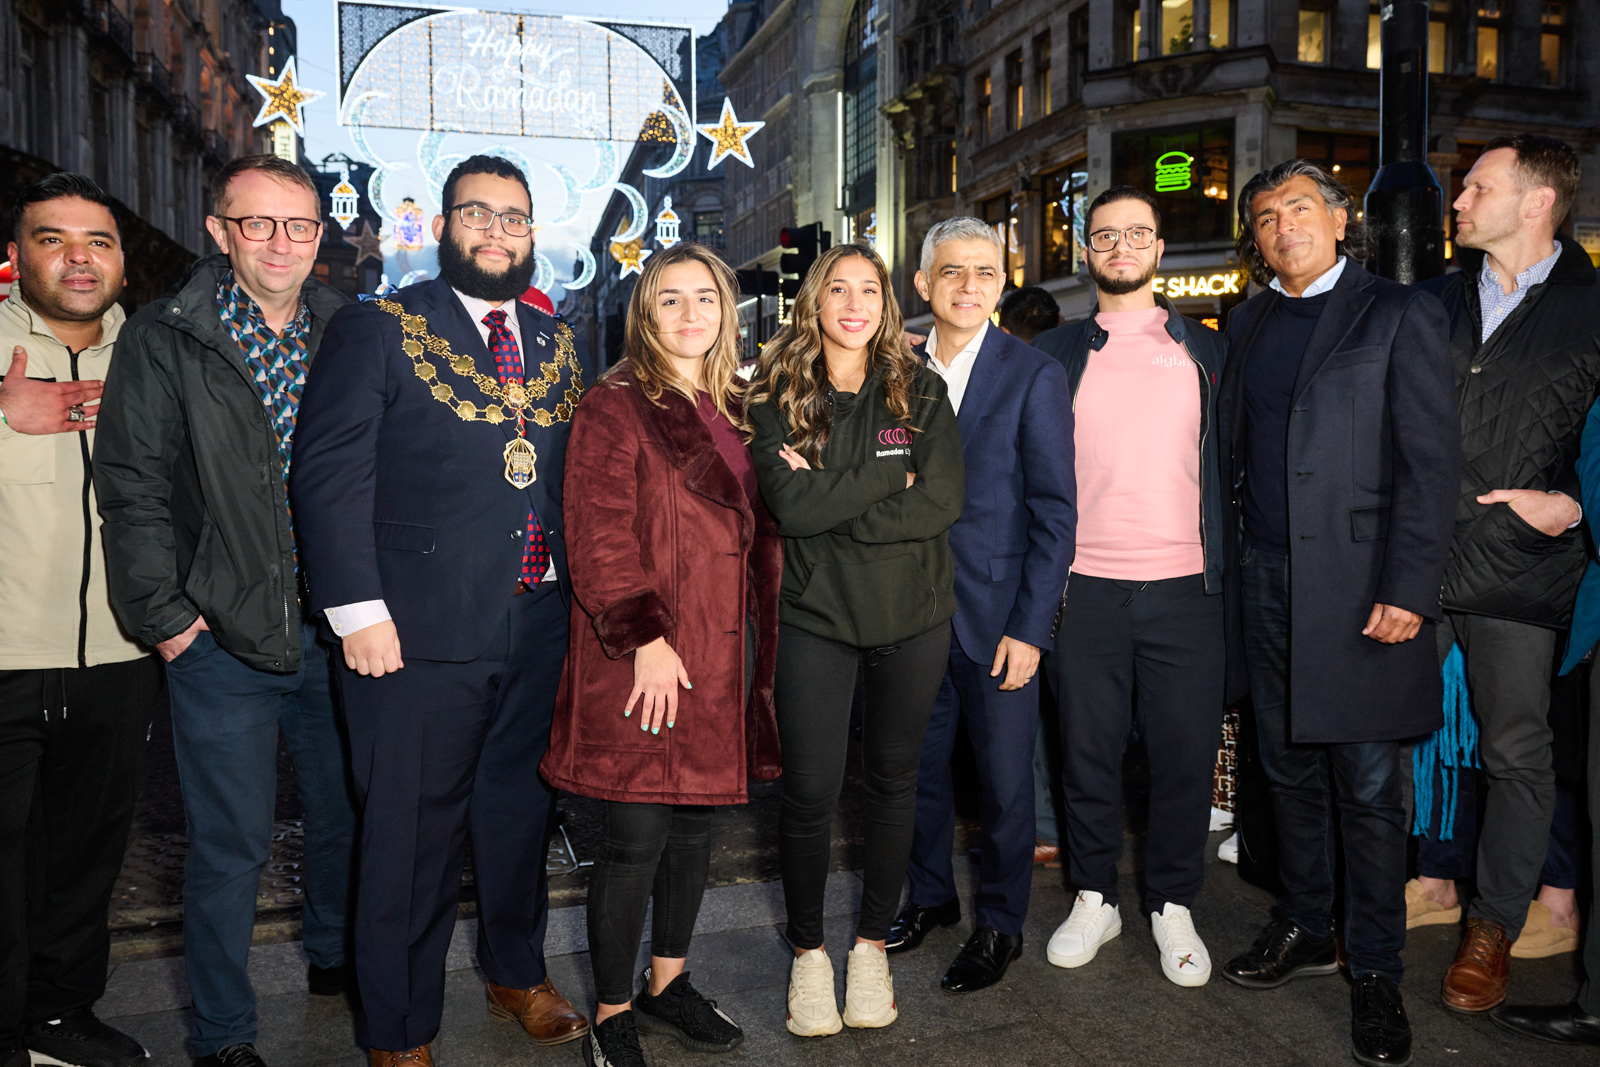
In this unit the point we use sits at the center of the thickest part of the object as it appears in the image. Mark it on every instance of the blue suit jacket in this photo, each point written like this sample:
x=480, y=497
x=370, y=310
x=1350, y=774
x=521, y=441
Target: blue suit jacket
x=396, y=498
x=1013, y=544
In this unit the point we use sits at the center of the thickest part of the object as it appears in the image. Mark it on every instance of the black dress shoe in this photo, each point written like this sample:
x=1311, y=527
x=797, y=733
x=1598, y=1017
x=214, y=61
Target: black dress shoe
x=1380, y=1033
x=331, y=981
x=1567, y=1024
x=1283, y=952
x=240, y=1055
x=915, y=922
x=983, y=961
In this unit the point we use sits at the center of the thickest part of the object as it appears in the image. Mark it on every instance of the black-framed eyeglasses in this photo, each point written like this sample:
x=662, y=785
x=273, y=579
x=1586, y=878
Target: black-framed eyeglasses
x=477, y=217
x=1140, y=237
x=264, y=228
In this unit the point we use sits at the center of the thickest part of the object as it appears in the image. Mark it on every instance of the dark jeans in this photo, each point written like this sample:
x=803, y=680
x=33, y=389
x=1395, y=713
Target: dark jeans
x=1307, y=779
x=1508, y=675
x=72, y=745
x=440, y=750
x=1163, y=640
x=815, y=684
x=1589, y=993
x=1002, y=726
x=648, y=852
x=226, y=717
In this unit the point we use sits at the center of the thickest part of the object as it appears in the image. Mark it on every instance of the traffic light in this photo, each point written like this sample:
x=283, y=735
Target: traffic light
x=804, y=244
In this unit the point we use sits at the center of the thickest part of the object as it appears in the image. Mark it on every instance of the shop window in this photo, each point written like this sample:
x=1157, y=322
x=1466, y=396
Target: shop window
x=1014, y=91
x=1177, y=26
x=985, y=101
x=1491, y=19
x=861, y=109
x=1061, y=247
x=1221, y=33
x=1004, y=214
x=1351, y=157
x=1187, y=171
x=1041, y=74
x=1553, y=22
x=708, y=227
x=1438, y=37
x=1313, y=38
x=1077, y=52
x=1135, y=23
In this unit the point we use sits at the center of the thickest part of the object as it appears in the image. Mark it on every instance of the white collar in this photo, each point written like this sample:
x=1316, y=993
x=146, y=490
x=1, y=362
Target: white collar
x=477, y=309
x=1329, y=278
x=970, y=352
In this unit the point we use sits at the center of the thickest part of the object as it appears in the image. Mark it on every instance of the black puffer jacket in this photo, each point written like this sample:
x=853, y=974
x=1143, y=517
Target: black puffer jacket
x=1523, y=395
x=189, y=480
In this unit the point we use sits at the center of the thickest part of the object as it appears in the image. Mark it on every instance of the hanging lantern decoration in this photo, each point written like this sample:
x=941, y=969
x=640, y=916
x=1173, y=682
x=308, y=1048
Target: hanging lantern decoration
x=344, y=197
x=667, y=223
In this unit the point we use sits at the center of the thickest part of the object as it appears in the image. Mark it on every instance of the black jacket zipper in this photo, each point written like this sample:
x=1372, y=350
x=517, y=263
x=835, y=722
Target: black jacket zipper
x=88, y=535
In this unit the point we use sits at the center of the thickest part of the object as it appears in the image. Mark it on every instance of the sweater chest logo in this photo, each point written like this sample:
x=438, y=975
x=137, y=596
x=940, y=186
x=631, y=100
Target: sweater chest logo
x=897, y=436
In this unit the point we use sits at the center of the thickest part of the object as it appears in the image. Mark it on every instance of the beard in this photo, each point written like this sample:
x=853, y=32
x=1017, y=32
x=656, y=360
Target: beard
x=457, y=267
x=1121, y=286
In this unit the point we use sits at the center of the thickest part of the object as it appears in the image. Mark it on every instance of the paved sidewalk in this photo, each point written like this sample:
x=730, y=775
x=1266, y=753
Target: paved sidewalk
x=1117, y=1010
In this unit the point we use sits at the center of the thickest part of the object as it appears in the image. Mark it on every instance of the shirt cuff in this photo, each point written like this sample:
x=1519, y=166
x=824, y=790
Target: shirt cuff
x=348, y=618
x=1571, y=525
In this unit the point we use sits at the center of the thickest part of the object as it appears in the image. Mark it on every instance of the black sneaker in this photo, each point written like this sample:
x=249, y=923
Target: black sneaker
x=243, y=1054
x=681, y=1011
x=613, y=1043
x=1380, y=1033
x=17, y=1057
x=331, y=981
x=80, y=1039
x=1283, y=952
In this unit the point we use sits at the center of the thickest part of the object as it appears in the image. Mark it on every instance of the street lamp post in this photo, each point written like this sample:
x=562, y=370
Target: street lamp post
x=1405, y=206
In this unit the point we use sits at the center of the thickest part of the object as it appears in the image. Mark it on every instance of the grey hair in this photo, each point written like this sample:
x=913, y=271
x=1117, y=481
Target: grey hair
x=1356, y=243
x=960, y=228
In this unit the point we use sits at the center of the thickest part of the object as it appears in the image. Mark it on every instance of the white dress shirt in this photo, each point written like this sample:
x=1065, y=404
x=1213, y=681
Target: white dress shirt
x=960, y=369
x=348, y=618
x=1321, y=285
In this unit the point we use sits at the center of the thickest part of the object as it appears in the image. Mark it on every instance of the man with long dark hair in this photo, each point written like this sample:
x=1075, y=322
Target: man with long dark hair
x=427, y=495
x=1336, y=421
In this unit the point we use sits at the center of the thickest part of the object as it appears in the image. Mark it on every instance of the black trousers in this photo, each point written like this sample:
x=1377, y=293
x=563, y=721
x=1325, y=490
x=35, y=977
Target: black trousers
x=1162, y=640
x=439, y=750
x=815, y=685
x=72, y=746
x=659, y=852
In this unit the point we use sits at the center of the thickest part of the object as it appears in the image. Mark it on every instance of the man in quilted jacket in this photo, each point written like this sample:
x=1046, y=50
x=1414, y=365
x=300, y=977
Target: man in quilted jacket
x=1527, y=355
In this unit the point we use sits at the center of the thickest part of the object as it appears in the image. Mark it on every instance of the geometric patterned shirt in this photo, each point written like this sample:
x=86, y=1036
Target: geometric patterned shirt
x=277, y=362
x=1497, y=304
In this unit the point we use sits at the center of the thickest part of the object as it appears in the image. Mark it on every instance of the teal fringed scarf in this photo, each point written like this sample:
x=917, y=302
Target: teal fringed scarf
x=1450, y=748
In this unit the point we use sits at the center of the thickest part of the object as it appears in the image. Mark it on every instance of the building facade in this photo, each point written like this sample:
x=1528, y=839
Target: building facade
x=148, y=97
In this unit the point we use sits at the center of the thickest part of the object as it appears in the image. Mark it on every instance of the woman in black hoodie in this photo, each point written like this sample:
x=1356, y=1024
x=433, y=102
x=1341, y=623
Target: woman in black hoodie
x=859, y=460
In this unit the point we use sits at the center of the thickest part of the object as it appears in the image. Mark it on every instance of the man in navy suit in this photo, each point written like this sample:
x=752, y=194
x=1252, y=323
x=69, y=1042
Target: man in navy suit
x=1013, y=548
x=427, y=493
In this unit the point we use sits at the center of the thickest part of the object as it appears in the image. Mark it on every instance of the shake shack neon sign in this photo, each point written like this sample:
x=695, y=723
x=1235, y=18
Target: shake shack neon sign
x=1173, y=172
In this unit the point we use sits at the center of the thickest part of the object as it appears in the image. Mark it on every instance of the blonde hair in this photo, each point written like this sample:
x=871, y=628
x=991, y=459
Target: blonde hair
x=652, y=364
x=793, y=370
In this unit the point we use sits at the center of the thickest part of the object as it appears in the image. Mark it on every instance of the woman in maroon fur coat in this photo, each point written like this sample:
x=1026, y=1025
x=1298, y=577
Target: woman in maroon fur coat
x=666, y=706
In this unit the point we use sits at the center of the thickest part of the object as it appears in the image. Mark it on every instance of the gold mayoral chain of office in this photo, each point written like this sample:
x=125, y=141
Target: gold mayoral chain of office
x=515, y=399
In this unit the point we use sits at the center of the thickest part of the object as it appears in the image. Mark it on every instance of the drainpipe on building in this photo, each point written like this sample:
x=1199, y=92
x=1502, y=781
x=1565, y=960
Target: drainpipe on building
x=1405, y=206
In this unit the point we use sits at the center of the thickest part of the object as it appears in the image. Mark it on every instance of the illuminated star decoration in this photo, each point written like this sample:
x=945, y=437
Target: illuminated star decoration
x=367, y=243
x=728, y=137
x=284, y=98
x=631, y=256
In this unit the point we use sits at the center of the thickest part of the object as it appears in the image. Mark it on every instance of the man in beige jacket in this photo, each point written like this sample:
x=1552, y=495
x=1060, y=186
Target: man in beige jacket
x=76, y=693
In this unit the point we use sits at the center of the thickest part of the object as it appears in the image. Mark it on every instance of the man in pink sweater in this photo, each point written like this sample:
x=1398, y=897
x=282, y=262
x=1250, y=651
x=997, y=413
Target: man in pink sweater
x=1142, y=613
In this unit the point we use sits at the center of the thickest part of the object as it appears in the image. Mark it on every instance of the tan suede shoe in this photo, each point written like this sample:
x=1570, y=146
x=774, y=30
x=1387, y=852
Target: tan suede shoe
x=1541, y=938
x=1425, y=911
x=547, y=1016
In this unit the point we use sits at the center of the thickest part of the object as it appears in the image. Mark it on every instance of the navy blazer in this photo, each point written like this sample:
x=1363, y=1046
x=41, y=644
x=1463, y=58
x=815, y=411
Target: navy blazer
x=1013, y=544
x=396, y=498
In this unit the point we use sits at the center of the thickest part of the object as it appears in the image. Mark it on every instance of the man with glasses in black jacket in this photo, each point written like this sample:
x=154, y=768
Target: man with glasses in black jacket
x=191, y=469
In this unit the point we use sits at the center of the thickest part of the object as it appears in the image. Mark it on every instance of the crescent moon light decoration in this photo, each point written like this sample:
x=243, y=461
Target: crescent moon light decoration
x=641, y=214
x=573, y=191
x=683, y=151
x=544, y=274
x=586, y=275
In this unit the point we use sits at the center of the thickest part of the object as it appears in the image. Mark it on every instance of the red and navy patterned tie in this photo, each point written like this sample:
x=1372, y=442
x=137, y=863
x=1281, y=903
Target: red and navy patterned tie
x=508, y=365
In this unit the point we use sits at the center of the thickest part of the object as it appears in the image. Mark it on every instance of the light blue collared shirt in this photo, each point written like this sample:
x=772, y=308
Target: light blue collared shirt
x=1321, y=285
x=1496, y=303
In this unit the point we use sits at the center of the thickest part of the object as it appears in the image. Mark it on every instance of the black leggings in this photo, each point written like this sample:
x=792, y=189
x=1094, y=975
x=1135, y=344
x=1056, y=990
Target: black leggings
x=815, y=684
x=648, y=851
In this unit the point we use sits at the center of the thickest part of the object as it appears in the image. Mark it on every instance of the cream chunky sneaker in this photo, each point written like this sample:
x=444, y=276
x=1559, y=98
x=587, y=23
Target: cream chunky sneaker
x=868, y=989
x=812, y=1010
x=1092, y=923
x=1183, y=955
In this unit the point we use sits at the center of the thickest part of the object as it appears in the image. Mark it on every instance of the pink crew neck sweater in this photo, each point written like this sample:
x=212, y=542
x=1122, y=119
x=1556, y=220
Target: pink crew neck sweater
x=1137, y=435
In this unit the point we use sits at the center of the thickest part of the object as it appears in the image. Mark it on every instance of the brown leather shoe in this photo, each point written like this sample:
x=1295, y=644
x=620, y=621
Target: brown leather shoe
x=1477, y=980
x=415, y=1057
x=547, y=1016
x=1049, y=855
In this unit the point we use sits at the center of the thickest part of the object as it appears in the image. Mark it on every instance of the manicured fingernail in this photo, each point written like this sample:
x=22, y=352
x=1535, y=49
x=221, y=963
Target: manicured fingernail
x=688, y=685
x=670, y=725
x=655, y=729
x=643, y=725
x=626, y=713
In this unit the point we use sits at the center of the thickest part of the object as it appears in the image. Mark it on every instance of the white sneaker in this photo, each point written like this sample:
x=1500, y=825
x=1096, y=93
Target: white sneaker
x=1183, y=955
x=1092, y=923
x=868, y=989
x=812, y=1010
x=1228, y=851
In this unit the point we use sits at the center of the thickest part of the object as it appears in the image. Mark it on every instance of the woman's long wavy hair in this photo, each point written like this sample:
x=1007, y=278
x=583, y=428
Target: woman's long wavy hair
x=793, y=371
x=650, y=362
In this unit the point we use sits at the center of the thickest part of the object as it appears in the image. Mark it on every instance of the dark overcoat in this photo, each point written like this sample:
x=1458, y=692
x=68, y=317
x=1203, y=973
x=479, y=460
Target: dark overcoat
x=1373, y=452
x=663, y=542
